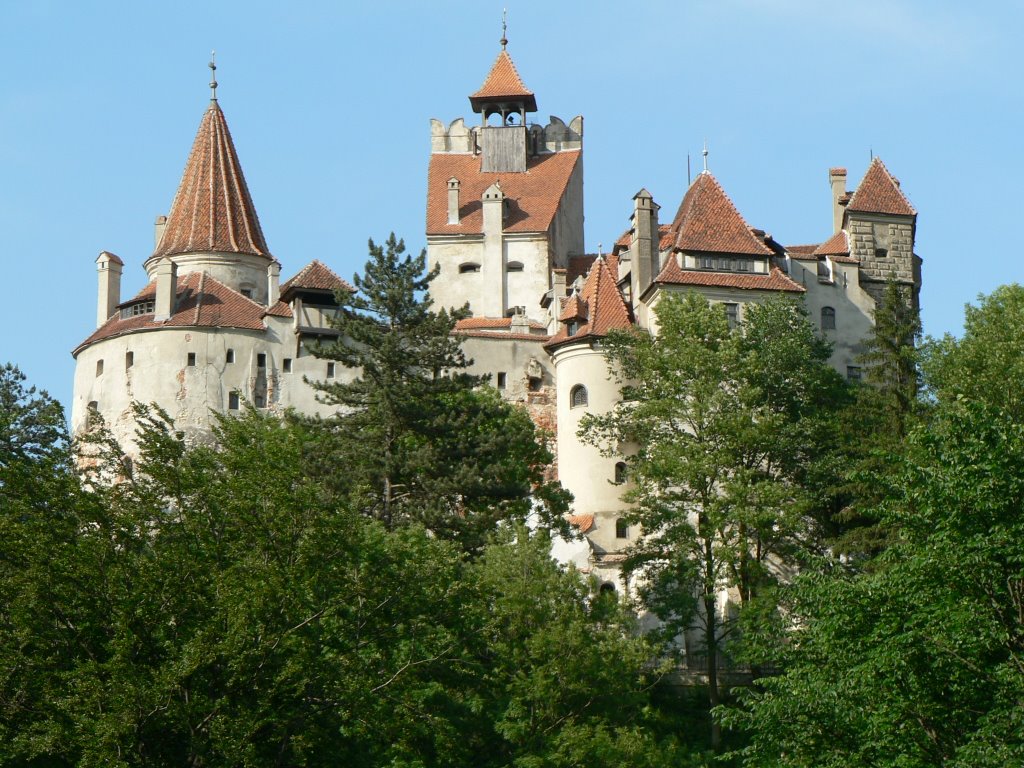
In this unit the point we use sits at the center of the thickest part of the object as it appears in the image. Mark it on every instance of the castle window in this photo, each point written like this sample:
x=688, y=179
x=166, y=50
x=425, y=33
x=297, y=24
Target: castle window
x=620, y=472
x=515, y=266
x=881, y=253
x=99, y=367
x=260, y=401
x=232, y=401
x=141, y=308
x=742, y=265
x=287, y=364
x=533, y=383
x=191, y=358
x=706, y=262
x=571, y=328
x=828, y=319
x=607, y=588
x=230, y=356
x=468, y=267
x=578, y=396
x=824, y=271
x=129, y=360
x=852, y=373
x=261, y=360
x=732, y=313
x=501, y=379
x=247, y=292
x=330, y=370
x=92, y=411
x=621, y=529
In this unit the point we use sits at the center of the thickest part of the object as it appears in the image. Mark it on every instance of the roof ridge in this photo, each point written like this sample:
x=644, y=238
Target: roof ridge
x=879, y=192
x=708, y=220
x=498, y=81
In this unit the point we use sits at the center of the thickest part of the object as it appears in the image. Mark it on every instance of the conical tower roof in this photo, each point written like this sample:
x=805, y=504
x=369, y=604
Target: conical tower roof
x=212, y=210
x=503, y=86
x=707, y=220
x=879, y=192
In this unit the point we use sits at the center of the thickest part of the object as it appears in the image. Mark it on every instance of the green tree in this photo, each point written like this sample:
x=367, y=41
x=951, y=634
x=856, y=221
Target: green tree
x=418, y=438
x=919, y=662
x=725, y=425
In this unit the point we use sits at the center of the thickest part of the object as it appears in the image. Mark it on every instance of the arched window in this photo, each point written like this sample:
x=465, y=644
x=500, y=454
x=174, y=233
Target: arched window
x=468, y=267
x=578, y=396
x=620, y=472
x=607, y=588
x=828, y=319
x=621, y=529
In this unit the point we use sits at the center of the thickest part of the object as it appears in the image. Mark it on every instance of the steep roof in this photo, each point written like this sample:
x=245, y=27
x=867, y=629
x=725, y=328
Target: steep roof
x=775, y=280
x=580, y=265
x=212, y=210
x=316, y=276
x=879, y=192
x=201, y=301
x=601, y=301
x=533, y=196
x=707, y=220
x=503, y=84
x=837, y=245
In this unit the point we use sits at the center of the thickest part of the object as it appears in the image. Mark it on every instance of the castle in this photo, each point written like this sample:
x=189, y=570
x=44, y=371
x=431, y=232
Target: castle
x=215, y=327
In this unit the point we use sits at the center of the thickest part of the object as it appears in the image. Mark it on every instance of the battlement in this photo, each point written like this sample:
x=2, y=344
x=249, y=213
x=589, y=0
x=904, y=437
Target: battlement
x=458, y=138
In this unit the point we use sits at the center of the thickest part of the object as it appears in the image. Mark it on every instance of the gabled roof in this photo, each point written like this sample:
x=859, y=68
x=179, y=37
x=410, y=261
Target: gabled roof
x=503, y=84
x=775, y=280
x=532, y=196
x=707, y=220
x=879, y=192
x=837, y=245
x=574, y=308
x=605, y=309
x=316, y=276
x=212, y=210
x=201, y=301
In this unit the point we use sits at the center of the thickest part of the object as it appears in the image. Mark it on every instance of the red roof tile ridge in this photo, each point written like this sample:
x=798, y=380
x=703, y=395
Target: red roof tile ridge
x=879, y=192
x=584, y=522
x=836, y=245
x=317, y=276
x=708, y=220
x=212, y=208
x=503, y=79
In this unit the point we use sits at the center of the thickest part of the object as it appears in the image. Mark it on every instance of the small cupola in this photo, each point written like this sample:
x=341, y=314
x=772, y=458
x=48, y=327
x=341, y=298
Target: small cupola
x=504, y=146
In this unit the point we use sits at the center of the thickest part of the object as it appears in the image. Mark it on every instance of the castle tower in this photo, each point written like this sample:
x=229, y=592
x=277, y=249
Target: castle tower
x=504, y=201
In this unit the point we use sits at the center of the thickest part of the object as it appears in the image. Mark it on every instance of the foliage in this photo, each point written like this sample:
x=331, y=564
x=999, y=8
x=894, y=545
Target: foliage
x=723, y=427
x=419, y=441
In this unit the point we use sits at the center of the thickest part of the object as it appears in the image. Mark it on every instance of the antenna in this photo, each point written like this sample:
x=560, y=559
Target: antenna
x=871, y=154
x=504, y=28
x=213, y=75
x=688, y=179
x=705, y=153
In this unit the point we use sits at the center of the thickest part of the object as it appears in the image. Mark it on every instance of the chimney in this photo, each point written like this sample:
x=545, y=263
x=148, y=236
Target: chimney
x=161, y=223
x=644, y=247
x=166, y=288
x=109, y=295
x=453, y=200
x=494, y=209
x=837, y=178
x=273, y=283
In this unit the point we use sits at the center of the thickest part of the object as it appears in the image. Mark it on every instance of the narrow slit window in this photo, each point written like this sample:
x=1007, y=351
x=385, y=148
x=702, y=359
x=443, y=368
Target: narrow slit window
x=229, y=357
x=232, y=401
x=501, y=379
x=732, y=313
x=620, y=472
x=468, y=267
x=191, y=358
x=129, y=360
x=330, y=370
x=828, y=319
x=261, y=360
x=99, y=367
x=287, y=365
x=621, y=529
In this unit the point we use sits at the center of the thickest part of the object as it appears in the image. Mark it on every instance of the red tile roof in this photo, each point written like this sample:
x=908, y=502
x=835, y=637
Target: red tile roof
x=804, y=251
x=491, y=323
x=280, y=309
x=534, y=195
x=580, y=265
x=879, y=192
x=212, y=210
x=837, y=245
x=604, y=305
x=707, y=220
x=673, y=274
x=503, y=84
x=484, y=334
x=202, y=301
x=583, y=522
x=315, y=276
x=574, y=308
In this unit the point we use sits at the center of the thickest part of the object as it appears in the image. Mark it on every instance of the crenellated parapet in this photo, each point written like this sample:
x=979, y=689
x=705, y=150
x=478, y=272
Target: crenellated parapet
x=458, y=138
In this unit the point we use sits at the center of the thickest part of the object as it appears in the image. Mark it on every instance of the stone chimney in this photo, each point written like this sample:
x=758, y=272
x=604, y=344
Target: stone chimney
x=161, y=223
x=453, y=200
x=837, y=178
x=166, y=288
x=108, y=297
x=273, y=283
x=644, y=247
x=493, y=279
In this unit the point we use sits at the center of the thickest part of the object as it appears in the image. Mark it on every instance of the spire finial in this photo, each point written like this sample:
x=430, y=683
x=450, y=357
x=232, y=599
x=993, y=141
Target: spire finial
x=705, y=153
x=504, y=28
x=213, y=75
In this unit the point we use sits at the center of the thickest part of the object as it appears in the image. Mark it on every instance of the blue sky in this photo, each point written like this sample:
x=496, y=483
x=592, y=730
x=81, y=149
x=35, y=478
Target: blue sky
x=329, y=106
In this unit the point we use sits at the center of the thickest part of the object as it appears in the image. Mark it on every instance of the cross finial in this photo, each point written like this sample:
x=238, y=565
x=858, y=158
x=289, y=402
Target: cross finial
x=213, y=75
x=504, y=28
x=705, y=153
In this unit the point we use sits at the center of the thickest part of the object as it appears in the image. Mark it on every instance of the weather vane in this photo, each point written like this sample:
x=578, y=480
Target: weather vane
x=504, y=28
x=705, y=153
x=213, y=75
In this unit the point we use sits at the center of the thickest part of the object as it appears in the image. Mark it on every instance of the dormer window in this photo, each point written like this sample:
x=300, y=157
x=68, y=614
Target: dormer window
x=572, y=328
x=139, y=308
x=468, y=267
